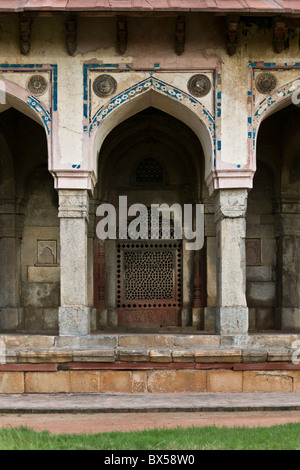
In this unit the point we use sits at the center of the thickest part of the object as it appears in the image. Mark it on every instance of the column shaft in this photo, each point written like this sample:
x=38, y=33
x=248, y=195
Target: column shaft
x=74, y=313
x=232, y=311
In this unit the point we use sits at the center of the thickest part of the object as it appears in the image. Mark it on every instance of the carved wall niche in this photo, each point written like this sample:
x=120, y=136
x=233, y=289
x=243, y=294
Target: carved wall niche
x=253, y=251
x=46, y=253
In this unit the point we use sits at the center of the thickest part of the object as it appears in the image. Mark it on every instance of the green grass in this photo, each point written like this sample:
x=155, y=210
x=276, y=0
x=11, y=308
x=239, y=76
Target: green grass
x=283, y=437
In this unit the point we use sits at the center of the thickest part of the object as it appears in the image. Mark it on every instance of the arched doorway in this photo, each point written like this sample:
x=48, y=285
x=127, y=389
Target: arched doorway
x=273, y=221
x=151, y=158
x=29, y=274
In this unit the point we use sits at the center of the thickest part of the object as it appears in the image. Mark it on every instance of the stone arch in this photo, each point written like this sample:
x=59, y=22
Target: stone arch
x=149, y=93
x=280, y=99
x=12, y=95
x=175, y=146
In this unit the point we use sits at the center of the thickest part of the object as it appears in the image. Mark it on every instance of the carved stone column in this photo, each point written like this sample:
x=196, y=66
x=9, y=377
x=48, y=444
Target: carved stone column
x=74, y=313
x=232, y=311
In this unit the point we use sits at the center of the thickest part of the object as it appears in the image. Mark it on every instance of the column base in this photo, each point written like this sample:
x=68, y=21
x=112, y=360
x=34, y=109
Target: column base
x=232, y=320
x=74, y=321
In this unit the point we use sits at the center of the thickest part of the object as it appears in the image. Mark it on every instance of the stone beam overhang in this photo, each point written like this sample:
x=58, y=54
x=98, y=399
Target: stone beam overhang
x=252, y=7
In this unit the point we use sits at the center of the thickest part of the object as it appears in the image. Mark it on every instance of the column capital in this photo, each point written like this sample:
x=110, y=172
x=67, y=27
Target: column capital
x=73, y=204
x=230, y=203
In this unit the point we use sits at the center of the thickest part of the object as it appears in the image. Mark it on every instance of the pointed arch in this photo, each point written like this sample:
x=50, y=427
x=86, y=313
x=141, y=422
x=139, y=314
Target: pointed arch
x=155, y=93
x=281, y=98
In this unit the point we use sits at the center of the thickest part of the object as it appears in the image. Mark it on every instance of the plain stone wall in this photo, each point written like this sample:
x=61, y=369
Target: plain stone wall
x=40, y=284
x=261, y=277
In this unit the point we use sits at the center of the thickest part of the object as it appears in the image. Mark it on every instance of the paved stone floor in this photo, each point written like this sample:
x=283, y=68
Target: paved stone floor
x=95, y=413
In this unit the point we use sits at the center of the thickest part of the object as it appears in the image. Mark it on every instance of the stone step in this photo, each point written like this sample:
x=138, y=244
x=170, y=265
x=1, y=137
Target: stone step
x=166, y=402
x=143, y=356
x=148, y=341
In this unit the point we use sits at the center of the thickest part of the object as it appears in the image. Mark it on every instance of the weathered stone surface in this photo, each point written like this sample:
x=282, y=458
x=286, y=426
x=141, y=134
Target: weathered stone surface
x=50, y=317
x=250, y=356
x=290, y=319
x=116, y=381
x=160, y=355
x=196, y=341
x=87, y=342
x=259, y=273
x=210, y=319
x=47, y=382
x=39, y=357
x=197, y=318
x=265, y=318
x=177, y=381
x=139, y=382
x=252, y=318
x=85, y=382
x=145, y=341
x=100, y=355
x=74, y=320
x=211, y=250
x=40, y=294
x=279, y=355
x=230, y=203
x=9, y=318
x=232, y=320
x=131, y=355
x=33, y=319
x=260, y=231
x=73, y=204
x=218, y=355
x=270, y=341
x=183, y=356
x=224, y=381
x=43, y=274
x=296, y=377
x=261, y=294
x=28, y=341
x=267, y=381
x=11, y=382
x=234, y=341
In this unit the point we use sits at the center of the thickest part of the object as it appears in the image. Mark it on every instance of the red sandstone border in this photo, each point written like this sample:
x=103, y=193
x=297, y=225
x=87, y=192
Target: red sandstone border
x=145, y=366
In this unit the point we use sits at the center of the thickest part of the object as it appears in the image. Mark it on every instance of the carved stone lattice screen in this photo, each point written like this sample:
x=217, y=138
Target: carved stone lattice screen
x=149, y=288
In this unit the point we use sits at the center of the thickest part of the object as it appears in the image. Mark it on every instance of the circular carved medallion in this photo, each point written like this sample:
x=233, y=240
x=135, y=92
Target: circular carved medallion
x=266, y=82
x=104, y=85
x=37, y=85
x=199, y=85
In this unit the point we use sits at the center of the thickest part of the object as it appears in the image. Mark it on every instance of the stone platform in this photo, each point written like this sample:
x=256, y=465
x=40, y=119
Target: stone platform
x=148, y=363
x=140, y=403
